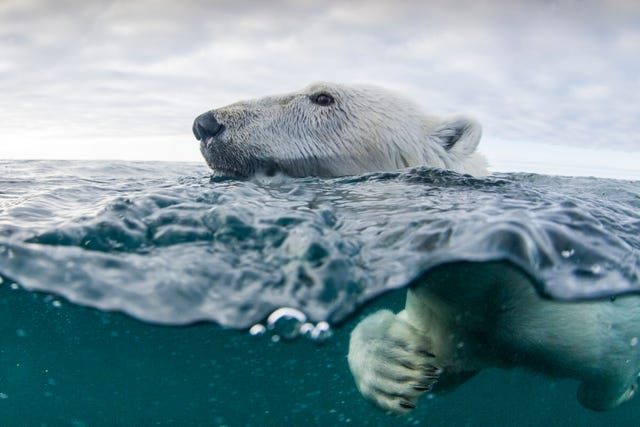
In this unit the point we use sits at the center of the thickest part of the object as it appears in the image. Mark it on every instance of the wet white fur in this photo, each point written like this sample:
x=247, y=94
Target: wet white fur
x=366, y=129
x=478, y=316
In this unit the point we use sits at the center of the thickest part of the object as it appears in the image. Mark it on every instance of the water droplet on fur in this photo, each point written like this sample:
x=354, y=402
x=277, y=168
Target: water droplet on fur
x=286, y=322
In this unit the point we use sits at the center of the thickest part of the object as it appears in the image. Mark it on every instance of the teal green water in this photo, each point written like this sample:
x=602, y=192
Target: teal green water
x=65, y=365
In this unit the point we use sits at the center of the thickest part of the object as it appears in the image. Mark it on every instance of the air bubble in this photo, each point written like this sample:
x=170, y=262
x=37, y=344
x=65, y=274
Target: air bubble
x=286, y=322
x=596, y=269
x=321, y=332
x=257, y=330
x=306, y=329
x=634, y=341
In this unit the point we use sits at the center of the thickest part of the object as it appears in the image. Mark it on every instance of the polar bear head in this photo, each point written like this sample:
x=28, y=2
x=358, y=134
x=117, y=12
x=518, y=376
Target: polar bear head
x=331, y=130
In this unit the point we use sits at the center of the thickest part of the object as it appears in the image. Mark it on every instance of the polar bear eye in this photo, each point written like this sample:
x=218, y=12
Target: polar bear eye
x=323, y=99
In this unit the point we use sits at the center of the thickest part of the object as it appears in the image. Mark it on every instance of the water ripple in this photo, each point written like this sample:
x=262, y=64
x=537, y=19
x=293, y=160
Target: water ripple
x=167, y=243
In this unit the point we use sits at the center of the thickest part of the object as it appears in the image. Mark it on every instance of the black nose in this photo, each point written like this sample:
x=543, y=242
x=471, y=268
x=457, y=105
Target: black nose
x=206, y=126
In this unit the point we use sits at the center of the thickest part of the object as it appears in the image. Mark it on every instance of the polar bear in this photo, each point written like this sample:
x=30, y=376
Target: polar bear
x=459, y=318
x=464, y=317
x=331, y=130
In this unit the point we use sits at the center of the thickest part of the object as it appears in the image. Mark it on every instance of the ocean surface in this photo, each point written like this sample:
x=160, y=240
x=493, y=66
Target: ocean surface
x=156, y=294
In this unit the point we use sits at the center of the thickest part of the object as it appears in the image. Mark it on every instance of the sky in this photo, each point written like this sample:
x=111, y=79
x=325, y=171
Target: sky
x=554, y=83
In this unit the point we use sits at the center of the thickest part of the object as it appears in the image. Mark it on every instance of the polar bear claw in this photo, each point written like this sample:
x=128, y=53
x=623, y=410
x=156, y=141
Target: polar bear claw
x=392, y=362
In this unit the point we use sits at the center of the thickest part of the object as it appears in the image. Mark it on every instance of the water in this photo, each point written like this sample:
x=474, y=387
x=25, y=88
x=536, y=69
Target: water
x=167, y=244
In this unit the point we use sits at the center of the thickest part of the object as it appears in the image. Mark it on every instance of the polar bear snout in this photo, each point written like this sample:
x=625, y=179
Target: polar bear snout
x=206, y=126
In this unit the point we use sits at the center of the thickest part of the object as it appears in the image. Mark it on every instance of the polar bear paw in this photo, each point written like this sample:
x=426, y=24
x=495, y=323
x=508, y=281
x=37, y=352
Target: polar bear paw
x=392, y=362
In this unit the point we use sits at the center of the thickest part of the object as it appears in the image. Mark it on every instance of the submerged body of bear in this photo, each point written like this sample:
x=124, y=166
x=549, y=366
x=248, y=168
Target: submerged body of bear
x=463, y=318
x=459, y=319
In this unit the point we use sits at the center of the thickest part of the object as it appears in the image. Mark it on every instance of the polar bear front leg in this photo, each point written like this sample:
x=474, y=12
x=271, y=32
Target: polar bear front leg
x=391, y=361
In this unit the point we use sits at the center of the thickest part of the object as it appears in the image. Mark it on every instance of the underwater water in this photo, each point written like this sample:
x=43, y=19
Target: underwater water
x=128, y=289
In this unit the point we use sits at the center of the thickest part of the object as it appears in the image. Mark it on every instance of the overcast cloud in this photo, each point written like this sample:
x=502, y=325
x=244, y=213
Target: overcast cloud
x=124, y=79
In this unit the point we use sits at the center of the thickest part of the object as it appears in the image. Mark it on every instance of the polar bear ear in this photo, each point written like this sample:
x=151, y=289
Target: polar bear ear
x=459, y=135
